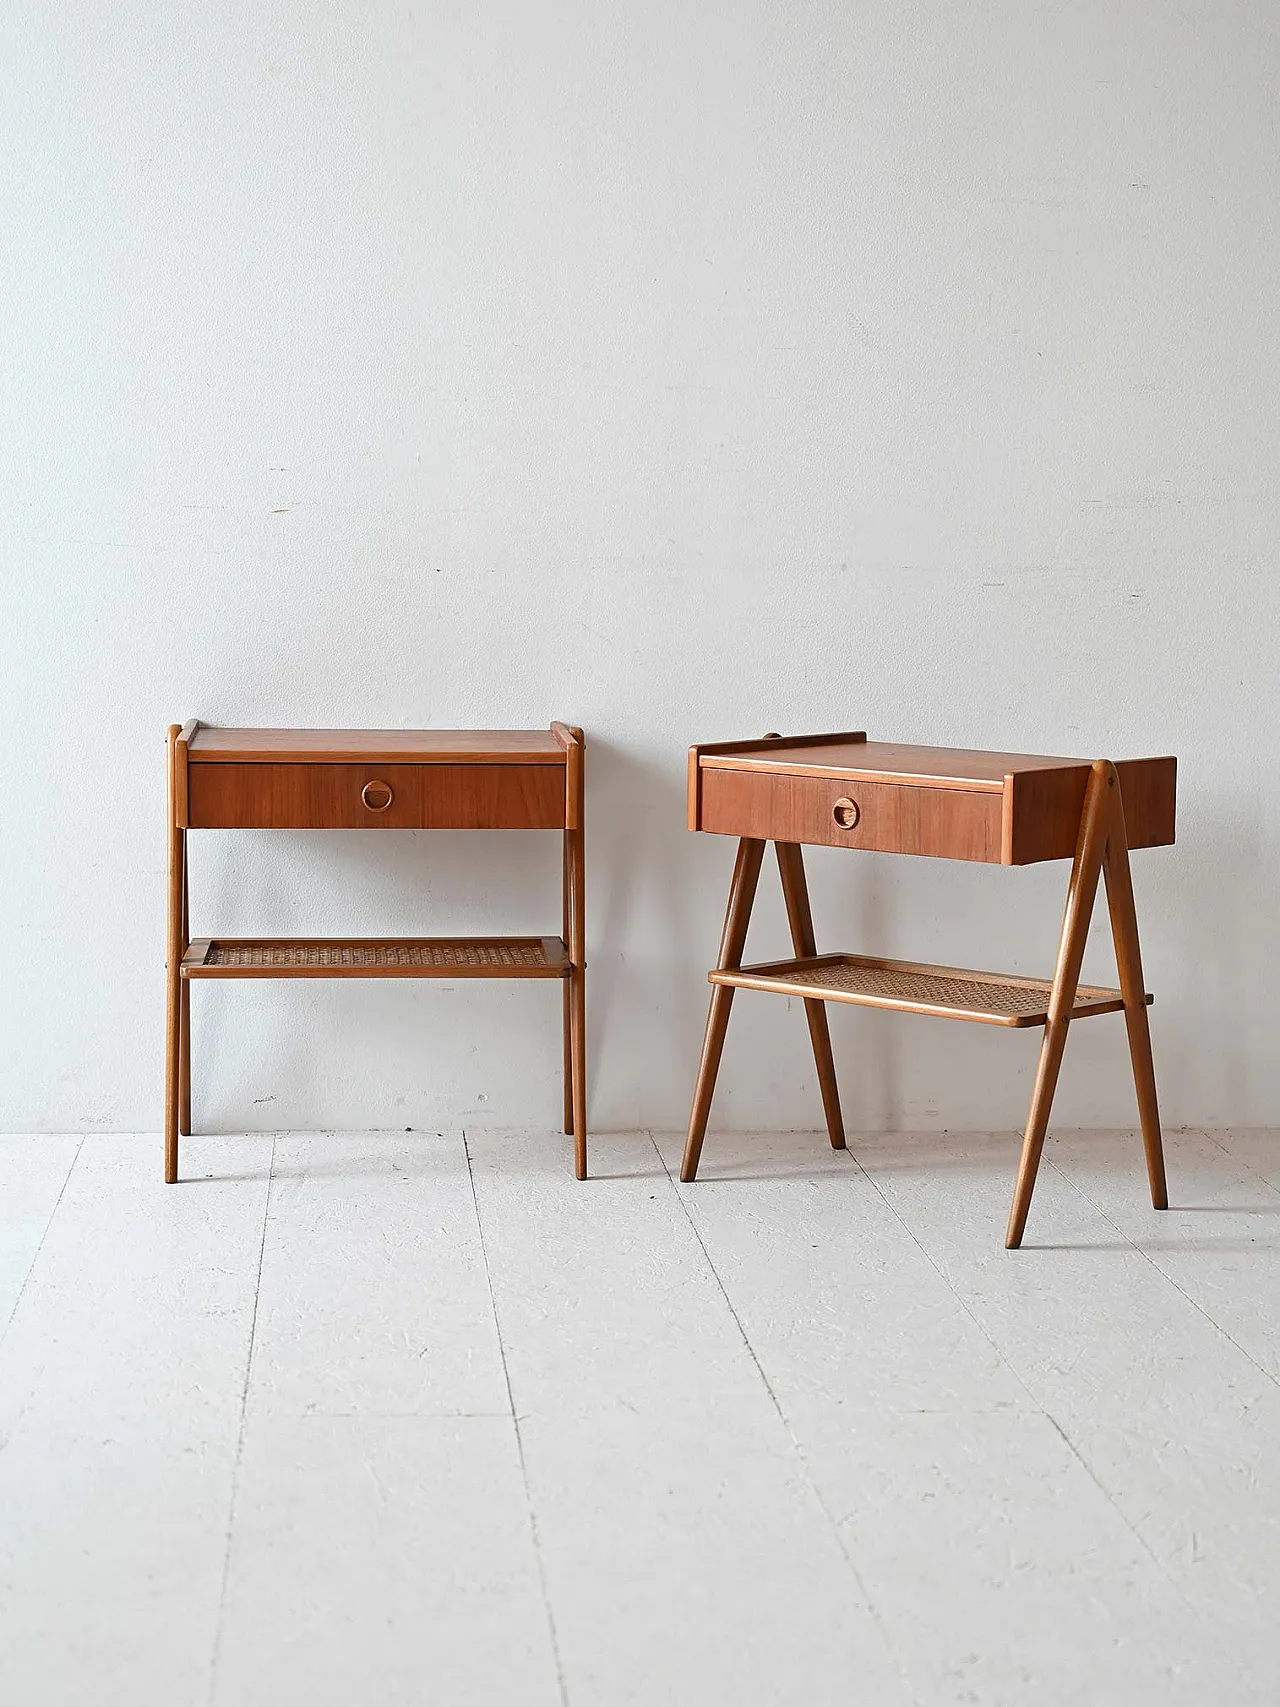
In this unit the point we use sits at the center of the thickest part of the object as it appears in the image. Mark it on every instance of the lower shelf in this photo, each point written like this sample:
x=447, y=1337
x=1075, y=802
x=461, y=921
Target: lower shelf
x=377, y=957
x=952, y=992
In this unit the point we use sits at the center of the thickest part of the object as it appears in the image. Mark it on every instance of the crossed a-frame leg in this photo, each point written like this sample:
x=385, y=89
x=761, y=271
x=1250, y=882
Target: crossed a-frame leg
x=1102, y=850
x=742, y=894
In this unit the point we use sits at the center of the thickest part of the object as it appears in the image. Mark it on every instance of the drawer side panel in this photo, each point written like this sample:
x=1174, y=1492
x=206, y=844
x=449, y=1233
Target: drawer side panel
x=1044, y=808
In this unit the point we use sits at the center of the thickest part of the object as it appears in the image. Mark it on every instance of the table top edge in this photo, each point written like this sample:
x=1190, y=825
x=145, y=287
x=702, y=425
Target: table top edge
x=212, y=745
x=904, y=763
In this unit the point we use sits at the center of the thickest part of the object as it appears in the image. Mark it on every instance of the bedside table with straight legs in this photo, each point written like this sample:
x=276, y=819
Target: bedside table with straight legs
x=398, y=779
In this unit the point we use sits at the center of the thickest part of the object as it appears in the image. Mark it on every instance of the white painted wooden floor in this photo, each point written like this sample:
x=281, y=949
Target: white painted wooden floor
x=371, y=1419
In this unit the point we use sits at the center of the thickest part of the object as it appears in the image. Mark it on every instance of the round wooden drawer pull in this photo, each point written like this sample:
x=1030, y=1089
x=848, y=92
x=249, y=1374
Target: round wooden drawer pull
x=377, y=796
x=846, y=813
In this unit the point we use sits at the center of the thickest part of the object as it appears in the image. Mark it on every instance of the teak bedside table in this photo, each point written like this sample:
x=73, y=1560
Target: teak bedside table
x=1002, y=808
x=397, y=779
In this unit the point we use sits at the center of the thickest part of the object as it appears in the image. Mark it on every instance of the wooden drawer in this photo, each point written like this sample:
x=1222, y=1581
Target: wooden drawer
x=949, y=823
x=350, y=797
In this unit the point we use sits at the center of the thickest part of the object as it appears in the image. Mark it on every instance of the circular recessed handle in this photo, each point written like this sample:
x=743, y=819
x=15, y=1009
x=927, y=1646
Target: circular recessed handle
x=846, y=813
x=377, y=795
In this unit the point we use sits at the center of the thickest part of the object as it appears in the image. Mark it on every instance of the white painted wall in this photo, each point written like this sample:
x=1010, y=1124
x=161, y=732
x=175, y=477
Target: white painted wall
x=684, y=371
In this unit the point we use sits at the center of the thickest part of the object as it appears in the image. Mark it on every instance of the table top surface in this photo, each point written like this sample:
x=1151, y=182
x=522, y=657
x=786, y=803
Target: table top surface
x=848, y=756
x=386, y=746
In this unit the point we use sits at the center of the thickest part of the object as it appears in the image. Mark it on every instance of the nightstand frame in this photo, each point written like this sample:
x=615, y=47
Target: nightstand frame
x=948, y=803
x=375, y=779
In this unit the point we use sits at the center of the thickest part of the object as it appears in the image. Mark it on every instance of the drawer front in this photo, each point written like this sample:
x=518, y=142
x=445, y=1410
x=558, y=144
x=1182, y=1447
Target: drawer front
x=834, y=812
x=373, y=797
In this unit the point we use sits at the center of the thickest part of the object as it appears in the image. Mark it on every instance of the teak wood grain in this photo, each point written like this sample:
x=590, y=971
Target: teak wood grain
x=1043, y=809
x=331, y=796
x=891, y=818
x=506, y=779
x=795, y=892
x=1011, y=808
x=177, y=1054
x=573, y=913
x=963, y=803
x=856, y=756
x=733, y=938
x=1096, y=826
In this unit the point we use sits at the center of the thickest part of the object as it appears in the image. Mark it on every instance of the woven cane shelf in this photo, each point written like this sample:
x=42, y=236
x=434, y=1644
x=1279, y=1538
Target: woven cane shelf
x=376, y=957
x=953, y=992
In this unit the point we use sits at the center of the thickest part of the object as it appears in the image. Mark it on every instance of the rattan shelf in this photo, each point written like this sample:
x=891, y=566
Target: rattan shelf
x=377, y=957
x=910, y=986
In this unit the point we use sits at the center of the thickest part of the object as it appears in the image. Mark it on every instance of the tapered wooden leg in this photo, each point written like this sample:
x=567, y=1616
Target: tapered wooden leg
x=566, y=1027
x=184, y=1019
x=1124, y=931
x=742, y=892
x=173, y=980
x=1081, y=892
x=578, y=999
x=566, y=1016
x=1051, y=1051
x=796, y=892
x=578, y=1051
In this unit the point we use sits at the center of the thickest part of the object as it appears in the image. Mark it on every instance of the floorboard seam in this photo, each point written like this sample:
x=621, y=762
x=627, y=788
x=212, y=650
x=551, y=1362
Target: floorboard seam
x=1239, y=1161
x=841, y=1543
x=515, y=1423
x=1166, y=1276
x=244, y=1408
x=945, y=1278
x=1039, y=1408
x=1060, y=1429
x=1178, y=1587
x=43, y=1236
